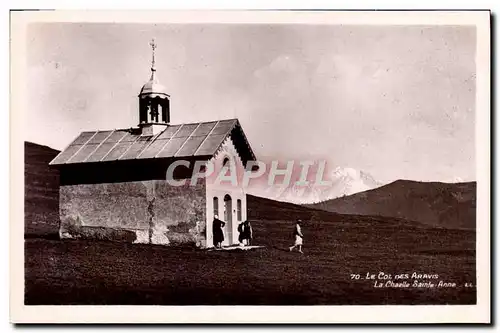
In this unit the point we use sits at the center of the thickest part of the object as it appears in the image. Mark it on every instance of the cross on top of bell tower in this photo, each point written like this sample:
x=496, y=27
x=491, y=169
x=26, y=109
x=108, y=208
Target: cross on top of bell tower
x=153, y=86
x=153, y=48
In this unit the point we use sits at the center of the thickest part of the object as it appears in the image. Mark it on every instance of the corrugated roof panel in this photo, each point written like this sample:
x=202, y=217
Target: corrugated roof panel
x=210, y=145
x=83, y=138
x=129, y=138
x=186, y=130
x=116, y=136
x=121, y=147
x=154, y=148
x=190, y=146
x=99, y=137
x=66, y=154
x=117, y=151
x=204, y=129
x=101, y=152
x=223, y=127
x=83, y=153
x=106, y=146
x=137, y=147
x=169, y=132
x=172, y=147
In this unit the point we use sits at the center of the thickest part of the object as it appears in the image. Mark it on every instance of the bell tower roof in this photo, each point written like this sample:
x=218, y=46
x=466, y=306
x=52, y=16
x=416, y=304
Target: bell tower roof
x=154, y=103
x=153, y=88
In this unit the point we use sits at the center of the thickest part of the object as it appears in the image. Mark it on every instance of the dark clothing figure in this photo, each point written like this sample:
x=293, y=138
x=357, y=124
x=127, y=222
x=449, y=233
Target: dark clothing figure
x=218, y=234
x=246, y=233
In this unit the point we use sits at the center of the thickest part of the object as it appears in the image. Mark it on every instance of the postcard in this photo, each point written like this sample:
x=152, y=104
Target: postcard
x=250, y=167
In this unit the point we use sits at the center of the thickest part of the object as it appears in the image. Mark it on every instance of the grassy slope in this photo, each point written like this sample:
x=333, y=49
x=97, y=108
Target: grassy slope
x=78, y=272
x=86, y=272
x=437, y=204
x=41, y=188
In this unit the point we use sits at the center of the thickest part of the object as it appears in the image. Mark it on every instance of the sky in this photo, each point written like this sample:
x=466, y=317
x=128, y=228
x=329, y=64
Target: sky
x=397, y=102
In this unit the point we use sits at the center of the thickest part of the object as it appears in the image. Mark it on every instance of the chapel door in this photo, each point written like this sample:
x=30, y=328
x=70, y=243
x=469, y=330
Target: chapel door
x=228, y=218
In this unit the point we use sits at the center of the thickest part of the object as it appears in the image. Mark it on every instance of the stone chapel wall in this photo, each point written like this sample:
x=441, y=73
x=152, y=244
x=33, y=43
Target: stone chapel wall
x=151, y=212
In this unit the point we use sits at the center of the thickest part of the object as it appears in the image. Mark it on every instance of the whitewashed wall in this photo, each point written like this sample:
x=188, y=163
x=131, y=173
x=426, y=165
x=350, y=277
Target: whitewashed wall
x=220, y=190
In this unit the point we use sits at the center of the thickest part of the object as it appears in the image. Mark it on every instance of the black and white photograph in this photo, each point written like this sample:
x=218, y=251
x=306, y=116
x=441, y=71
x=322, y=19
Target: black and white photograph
x=258, y=160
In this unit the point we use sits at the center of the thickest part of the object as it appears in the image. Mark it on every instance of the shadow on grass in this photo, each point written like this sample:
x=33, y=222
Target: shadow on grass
x=47, y=236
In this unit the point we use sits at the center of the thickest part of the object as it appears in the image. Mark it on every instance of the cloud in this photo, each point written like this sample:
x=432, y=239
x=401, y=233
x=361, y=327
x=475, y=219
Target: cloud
x=281, y=65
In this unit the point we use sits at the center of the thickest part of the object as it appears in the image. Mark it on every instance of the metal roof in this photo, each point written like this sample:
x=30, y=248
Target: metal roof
x=176, y=141
x=153, y=87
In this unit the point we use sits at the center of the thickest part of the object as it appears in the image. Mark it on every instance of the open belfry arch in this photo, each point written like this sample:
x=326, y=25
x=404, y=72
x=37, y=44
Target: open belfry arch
x=113, y=182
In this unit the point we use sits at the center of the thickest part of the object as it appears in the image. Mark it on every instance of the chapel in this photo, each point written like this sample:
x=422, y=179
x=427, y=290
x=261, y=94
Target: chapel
x=114, y=186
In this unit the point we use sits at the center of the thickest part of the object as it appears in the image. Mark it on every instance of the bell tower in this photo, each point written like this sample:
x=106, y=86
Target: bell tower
x=154, y=103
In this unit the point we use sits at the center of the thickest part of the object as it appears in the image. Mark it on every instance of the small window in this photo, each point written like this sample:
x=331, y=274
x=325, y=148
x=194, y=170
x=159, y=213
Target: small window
x=216, y=206
x=228, y=208
x=238, y=207
x=225, y=161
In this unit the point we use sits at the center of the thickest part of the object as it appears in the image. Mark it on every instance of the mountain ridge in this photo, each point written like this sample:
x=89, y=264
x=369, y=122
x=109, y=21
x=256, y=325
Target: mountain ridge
x=41, y=190
x=440, y=204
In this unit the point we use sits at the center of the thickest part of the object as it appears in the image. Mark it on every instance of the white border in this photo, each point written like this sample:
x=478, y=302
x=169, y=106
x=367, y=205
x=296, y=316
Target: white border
x=254, y=314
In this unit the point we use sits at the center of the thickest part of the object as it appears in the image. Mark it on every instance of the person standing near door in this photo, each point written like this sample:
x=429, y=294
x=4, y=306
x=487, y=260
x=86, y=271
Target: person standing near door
x=217, y=232
x=246, y=233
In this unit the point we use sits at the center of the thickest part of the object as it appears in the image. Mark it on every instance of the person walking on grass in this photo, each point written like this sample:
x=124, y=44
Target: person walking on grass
x=297, y=233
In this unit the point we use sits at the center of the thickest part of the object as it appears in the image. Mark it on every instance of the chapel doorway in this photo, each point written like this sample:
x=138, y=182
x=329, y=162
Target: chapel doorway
x=228, y=218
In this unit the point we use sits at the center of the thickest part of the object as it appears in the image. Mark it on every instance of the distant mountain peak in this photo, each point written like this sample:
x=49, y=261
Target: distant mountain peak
x=345, y=181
